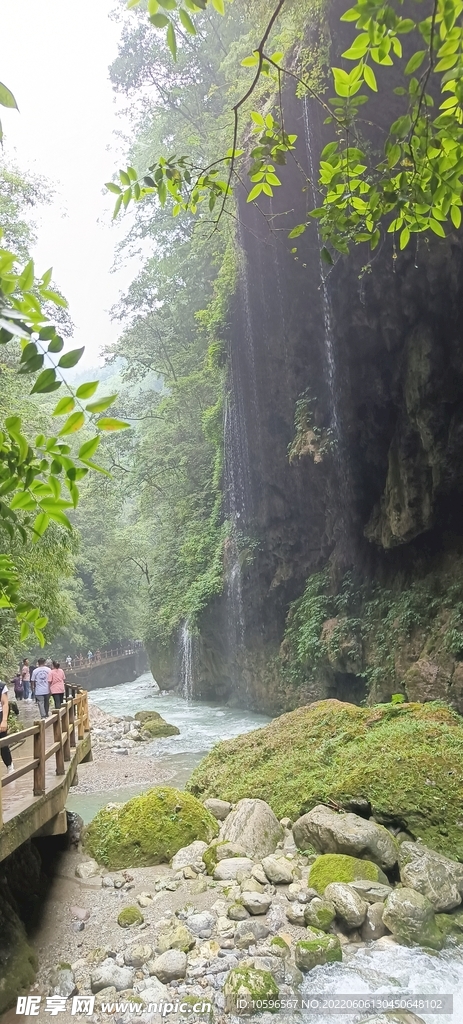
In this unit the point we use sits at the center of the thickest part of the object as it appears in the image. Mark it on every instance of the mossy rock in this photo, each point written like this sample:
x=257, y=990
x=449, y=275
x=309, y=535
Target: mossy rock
x=154, y=728
x=130, y=916
x=319, y=913
x=317, y=949
x=339, y=867
x=145, y=716
x=149, y=829
x=279, y=947
x=210, y=858
x=249, y=985
x=337, y=752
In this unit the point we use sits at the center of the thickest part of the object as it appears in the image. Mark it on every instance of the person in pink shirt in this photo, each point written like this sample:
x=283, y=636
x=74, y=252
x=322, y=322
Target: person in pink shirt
x=57, y=678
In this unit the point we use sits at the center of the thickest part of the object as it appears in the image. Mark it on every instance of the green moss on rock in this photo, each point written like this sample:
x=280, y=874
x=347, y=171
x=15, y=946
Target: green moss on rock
x=153, y=728
x=145, y=716
x=130, y=916
x=319, y=913
x=339, y=867
x=149, y=829
x=331, y=751
x=317, y=949
x=251, y=986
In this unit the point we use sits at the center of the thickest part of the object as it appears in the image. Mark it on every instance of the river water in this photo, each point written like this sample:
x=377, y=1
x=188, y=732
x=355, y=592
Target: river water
x=201, y=727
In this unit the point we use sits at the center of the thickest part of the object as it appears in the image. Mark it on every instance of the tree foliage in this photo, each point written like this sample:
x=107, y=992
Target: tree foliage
x=39, y=475
x=413, y=185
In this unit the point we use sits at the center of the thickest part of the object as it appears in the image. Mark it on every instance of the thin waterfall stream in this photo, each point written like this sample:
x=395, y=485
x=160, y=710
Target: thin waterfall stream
x=186, y=648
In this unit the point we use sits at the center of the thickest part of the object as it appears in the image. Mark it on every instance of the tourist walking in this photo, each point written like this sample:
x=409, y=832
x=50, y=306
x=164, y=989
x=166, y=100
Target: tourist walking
x=26, y=678
x=57, y=679
x=4, y=707
x=41, y=680
x=18, y=687
x=69, y=661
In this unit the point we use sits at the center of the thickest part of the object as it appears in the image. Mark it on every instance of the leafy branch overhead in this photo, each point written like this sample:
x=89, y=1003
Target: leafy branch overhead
x=176, y=14
x=413, y=185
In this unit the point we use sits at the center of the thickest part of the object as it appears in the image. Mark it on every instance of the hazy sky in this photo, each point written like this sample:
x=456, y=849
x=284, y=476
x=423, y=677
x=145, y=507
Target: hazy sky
x=54, y=57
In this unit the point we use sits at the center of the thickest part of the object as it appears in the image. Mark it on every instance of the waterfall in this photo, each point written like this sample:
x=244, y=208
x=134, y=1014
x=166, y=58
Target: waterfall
x=327, y=310
x=186, y=668
x=237, y=494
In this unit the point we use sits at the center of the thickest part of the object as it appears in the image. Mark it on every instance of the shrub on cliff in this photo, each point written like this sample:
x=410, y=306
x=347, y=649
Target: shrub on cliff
x=149, y=829
x=404, y=758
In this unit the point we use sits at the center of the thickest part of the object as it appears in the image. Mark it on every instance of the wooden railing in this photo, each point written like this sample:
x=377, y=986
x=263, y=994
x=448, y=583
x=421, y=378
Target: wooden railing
x=70, y=723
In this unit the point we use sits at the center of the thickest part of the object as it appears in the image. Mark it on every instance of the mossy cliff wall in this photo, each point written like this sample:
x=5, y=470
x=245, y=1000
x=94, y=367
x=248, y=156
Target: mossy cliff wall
x=380, y=510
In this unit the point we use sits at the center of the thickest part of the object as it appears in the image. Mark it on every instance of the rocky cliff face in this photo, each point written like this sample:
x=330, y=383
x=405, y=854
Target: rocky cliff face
x=376, y=355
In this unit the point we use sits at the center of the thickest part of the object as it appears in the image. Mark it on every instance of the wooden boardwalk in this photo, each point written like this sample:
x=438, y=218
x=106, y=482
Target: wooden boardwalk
x=46, y=754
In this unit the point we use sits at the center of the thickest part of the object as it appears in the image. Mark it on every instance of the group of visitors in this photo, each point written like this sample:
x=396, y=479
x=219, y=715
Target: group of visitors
x=39, y=682
x=32, y=682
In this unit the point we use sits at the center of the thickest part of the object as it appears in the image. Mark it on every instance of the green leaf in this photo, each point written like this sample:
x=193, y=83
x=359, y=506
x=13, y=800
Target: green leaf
x=87, y=390
x=56, y=344
x=26, y=279
x=256, y=191
x=24, y=631
x=415, y=62
x=6, y=97
x=187, y=22
x=168, y=5
x=370, y=77
x=455, y=213
x=43, y=381
x=219, y=6
x=40, y=525
x=171, y=40
x=47, y=333
x=32, y=365
x=436, y=227
x=404, y=237
x=250, y=62
x=132, y=3
x=405, y=25
x=23, y=500
x=89, y=448
x=65, y=406
x=159, y=20
x=74, y=423
x=101, y=404
x=351, y=15
x=106, y=423
x=60, y=517
x=58, y=300
x=117, y=206
x=13, y=423
x=28, y=352
x=326, y=256
x=71, y=358
x=298, y=230
x=112, y=187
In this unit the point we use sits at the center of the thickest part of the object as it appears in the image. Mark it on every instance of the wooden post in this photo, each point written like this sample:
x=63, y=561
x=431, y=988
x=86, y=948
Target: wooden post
x=58, y=738
x=39, y=753
x=67, y=742
x=72, y=723
x=1, y=812
x=80, y=716
x=86, y=713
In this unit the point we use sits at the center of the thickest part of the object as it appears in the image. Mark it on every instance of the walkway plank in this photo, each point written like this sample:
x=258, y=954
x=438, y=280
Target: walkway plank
x=24, y=814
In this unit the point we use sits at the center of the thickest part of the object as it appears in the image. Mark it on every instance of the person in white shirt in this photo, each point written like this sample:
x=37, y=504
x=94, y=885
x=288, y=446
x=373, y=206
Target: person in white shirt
x=41, y=680
x=5, y=751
